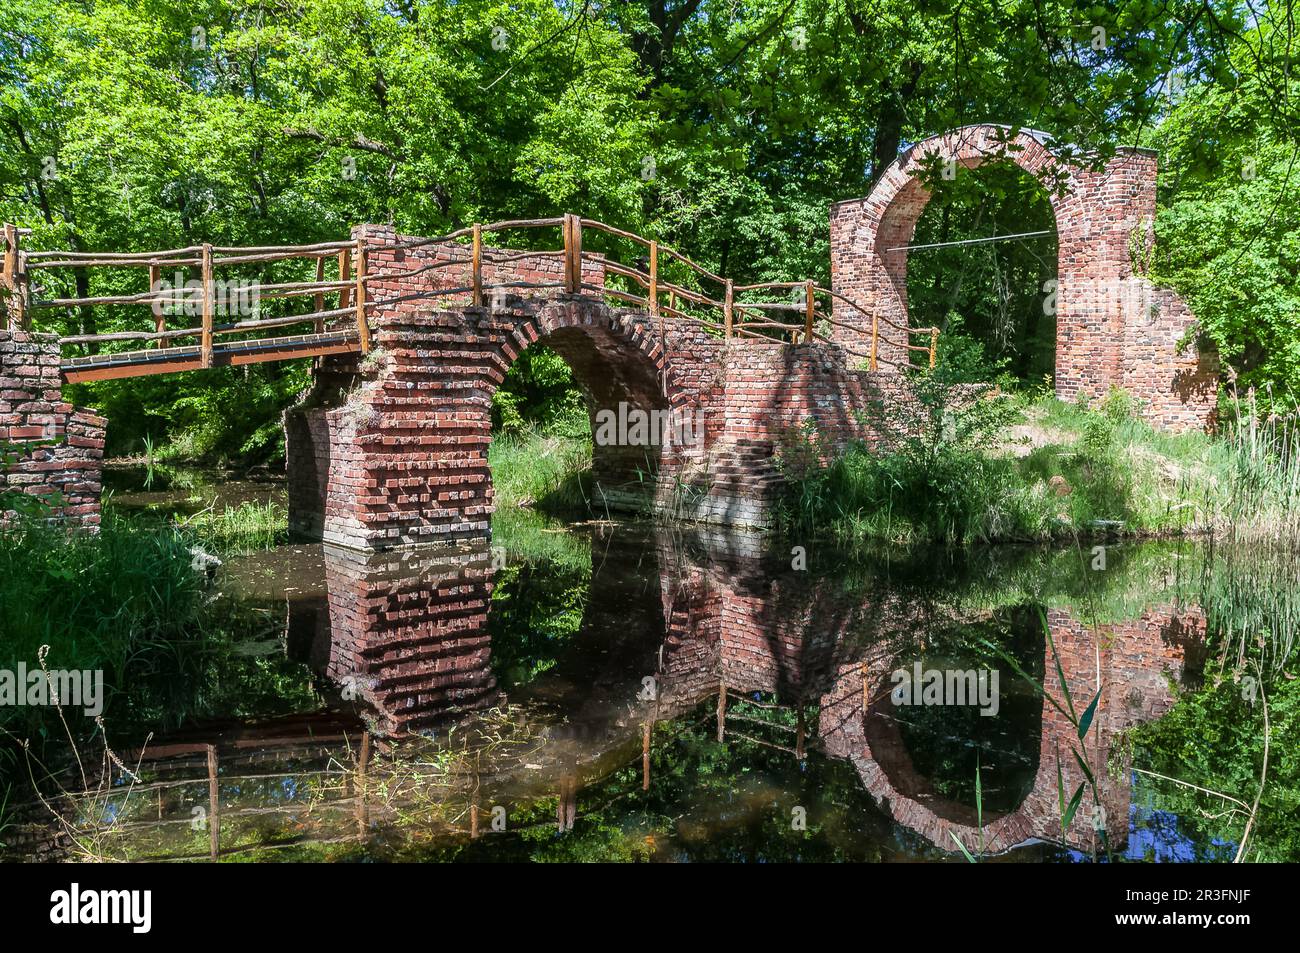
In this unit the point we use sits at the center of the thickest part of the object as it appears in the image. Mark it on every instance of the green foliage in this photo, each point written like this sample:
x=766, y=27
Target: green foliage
x=100, y=601
x=539, y=392
x=537, y=609
x=1214, y=738
x=1227, y=227
x=531, y=468
x=962, y=475
x=724, y=131
x=932, y=480
x=963, y=358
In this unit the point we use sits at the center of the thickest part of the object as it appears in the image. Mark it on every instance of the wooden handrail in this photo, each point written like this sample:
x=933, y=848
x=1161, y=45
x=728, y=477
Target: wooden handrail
x=356, y=297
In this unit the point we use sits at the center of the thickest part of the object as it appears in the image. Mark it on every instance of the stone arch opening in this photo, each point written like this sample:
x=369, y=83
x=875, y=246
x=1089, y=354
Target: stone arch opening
x=1113, y=328
x=636, y=413
x=903, y=193
x=991, y=299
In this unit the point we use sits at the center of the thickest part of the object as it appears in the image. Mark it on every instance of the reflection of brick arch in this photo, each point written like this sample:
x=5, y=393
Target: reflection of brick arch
x=407, y=633
x=1133, y=661
x=1113, y=330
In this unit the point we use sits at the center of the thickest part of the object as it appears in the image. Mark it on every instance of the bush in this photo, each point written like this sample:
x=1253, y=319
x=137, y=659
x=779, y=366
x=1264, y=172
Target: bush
x=950, y=475
x=930, y=480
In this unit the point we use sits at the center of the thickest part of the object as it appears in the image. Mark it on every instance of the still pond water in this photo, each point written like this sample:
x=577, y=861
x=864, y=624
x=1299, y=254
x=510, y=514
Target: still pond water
x=626, y=691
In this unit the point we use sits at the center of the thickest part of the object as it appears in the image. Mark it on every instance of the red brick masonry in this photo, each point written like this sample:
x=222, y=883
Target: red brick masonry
x=391, y=450
x=59, y=449
x=1114, y=329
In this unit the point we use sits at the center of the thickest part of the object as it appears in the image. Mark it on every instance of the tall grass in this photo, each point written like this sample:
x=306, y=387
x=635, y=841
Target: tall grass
x=100, y=602
x=1094, y=472
x=238, y=530
x=1263, y=491
x=530, y=468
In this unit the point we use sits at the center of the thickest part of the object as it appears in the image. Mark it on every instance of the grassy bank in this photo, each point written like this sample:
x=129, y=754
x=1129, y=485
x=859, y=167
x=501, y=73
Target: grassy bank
x=102, y=603
x=532, y=468
x=1007, y=467
x=135, y=604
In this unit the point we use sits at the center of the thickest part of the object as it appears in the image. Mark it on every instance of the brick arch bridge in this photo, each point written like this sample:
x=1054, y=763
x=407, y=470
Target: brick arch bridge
x=390, y=446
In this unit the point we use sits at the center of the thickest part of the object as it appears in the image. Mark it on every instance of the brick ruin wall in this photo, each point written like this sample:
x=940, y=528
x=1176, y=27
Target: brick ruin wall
x=1113, y=328
x=48, y=448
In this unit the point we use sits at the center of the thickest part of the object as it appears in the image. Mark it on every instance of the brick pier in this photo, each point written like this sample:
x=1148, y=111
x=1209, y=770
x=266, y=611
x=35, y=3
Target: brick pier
x=56, y=449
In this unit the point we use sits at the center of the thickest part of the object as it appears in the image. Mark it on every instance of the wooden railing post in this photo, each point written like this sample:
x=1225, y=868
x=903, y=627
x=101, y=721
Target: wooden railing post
x=319, y=299
x=576, y=231
x=572, y=254
x=14, y=278
x=477, y=266
x=205, y=340
x=159, y=310
x=934, y=343
x=875, y=338
x=566, y=231
x=810, y=310
x=214, y=806
x=359, y=296
x=726, y=310
x=652, y=293
x=345, y=274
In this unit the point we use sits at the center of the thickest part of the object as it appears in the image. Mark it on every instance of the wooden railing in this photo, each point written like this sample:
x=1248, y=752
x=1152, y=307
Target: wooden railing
x=661, y=281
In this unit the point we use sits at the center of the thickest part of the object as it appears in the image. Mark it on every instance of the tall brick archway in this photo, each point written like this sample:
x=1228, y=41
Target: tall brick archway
x=1113, y=328
x=395, y=451
x=905, y=198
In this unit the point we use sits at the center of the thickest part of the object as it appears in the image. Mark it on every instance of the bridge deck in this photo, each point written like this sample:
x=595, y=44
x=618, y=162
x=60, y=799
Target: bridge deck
x=102, y=367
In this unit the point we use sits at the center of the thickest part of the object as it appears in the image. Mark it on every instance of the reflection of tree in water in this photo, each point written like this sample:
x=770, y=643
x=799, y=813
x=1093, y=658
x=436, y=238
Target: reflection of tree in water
x=948, y=742
x=537, y=608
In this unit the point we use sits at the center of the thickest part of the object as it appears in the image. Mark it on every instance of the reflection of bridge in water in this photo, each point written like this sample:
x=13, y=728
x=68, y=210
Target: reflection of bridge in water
x=409, y=633
x=673, y=629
